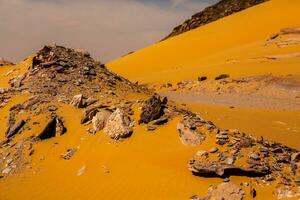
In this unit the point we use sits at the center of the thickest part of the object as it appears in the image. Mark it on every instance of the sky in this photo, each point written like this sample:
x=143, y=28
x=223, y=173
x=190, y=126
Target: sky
x=107, y=29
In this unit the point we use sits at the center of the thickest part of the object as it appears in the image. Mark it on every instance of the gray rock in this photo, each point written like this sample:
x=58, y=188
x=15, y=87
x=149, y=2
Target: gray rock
x=77, y=101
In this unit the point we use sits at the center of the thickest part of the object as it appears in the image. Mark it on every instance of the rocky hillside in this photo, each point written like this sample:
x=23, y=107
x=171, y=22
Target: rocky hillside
x=5, y=62
x=213, y=13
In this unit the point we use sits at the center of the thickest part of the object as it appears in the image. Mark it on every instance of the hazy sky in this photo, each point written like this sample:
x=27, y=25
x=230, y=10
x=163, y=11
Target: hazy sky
x=106, y=28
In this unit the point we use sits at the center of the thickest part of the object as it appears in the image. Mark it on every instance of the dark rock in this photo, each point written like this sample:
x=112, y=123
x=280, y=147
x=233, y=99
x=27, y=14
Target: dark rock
x=15, y=129
x=252, y=192
x=202, y=78
x=215, y=169
x=53, y=128
x=222, y=76
x=225, y=191
x=153, y=109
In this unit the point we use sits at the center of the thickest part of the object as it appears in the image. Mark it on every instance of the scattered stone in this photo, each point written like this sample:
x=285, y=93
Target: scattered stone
x=118, y=125
x=6, y=170
x=213, y=150
x=100, y=119
x=252, y=192
x=67, y=155
x=15, y=129
x=222, y=76
x=77, y=101
x=224, y=191
x=201, y=153
x=153, y=109
x=151, y=128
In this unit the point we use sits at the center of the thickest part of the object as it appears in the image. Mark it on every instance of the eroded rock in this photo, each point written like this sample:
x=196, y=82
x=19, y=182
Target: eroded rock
x=15, y=129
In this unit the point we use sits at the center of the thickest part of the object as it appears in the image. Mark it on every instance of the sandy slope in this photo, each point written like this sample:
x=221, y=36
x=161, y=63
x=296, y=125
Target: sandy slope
x=234, y=45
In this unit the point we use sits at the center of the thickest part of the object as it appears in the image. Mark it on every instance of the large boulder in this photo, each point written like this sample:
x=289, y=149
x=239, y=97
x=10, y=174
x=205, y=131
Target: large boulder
x=118, y=125
x=100, y=119
x=153, y=109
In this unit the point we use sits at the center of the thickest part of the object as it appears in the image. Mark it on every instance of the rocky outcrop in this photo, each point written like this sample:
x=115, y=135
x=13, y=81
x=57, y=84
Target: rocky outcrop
x=5, y=62
x=213, y=13
x=153, y=109
x=118, y=125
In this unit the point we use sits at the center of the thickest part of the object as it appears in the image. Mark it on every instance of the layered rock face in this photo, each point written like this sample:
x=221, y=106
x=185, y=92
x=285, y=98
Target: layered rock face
x=213, y=13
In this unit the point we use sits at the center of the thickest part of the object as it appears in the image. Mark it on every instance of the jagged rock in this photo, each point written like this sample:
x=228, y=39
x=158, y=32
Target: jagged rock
x=118, y=125
x=70, y=153
x=15, y=129
x=225, y=191
x=77, y=101
x=100, y=119
x=153, y=109
x=189, y=136
x=222, y=76
x=53, y=128
x=212, y=13
x=216, y=169
x=90, y=101
x=5, y=62
x=17, y=81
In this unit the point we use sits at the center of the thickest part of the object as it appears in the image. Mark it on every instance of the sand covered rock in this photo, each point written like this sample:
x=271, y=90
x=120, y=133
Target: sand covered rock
x=118, y=125
x=225, y=191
